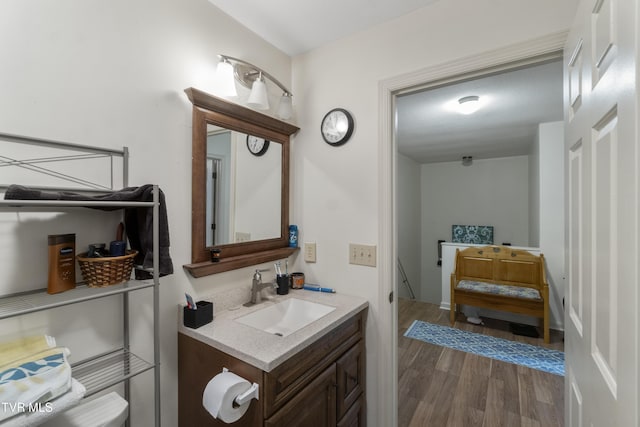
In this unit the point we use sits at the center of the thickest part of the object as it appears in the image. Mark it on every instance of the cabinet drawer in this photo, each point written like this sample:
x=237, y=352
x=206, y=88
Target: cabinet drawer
x=315, y=405
x=350, y=377
x=356, y=416
x=286, y=380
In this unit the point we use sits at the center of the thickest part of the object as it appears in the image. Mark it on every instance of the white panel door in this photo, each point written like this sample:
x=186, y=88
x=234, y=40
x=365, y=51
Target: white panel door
x=601, y=140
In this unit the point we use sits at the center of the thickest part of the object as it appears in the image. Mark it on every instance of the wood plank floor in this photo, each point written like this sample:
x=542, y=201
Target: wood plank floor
x=443, y=387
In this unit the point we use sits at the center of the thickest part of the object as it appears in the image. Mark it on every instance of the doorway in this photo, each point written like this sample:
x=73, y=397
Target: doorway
x=462, y=161
x=213, y=212
x=535, y=51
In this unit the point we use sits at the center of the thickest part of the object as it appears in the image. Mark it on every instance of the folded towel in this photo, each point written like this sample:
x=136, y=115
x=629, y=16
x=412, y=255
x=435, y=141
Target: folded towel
x=21, y=347
x=43, y=412
x=138, y=221
x=33, y=379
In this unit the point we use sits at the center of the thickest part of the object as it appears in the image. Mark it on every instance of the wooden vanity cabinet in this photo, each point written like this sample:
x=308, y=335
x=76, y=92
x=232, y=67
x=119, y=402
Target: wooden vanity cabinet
x=321, y=385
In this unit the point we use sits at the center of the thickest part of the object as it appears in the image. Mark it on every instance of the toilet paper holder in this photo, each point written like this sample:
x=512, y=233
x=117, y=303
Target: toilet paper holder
x=227, y=396
x=252, y=393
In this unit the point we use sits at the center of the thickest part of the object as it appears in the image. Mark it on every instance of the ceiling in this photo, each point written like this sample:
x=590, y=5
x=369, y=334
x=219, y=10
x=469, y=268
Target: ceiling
x=296, y=26
x=517, y=101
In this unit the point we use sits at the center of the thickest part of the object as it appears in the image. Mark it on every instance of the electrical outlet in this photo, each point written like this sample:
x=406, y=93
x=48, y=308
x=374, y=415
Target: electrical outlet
x=242, y=237
x=310, y=252
x=362, y=255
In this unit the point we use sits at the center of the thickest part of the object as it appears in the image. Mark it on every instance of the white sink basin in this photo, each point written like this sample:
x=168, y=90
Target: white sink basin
x=286, y=317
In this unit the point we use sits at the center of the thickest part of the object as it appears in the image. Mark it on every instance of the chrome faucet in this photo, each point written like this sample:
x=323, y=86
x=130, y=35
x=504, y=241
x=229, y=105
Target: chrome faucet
x=257, y=286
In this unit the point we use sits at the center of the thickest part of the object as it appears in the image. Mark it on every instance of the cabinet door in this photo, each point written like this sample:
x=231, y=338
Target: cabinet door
x=314, y=405
x=356, y=416
x=351, y=377
x=197, y=364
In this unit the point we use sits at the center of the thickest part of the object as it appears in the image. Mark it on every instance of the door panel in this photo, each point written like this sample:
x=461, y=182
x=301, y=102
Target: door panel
x=574, y=406
x=601, y=141
x=575, y=282
x=603, y=37
x=574, y=74
x=603, y=322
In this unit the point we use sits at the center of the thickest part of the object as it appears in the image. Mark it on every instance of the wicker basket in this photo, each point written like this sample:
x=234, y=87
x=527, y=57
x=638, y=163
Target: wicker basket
x=100, y=272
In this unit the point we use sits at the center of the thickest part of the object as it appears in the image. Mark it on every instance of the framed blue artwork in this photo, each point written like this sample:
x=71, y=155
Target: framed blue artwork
x=478, y=234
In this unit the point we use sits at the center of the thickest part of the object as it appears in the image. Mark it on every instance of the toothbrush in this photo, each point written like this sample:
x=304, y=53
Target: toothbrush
x=317, y=288
x=190, y=303
x=278, y=269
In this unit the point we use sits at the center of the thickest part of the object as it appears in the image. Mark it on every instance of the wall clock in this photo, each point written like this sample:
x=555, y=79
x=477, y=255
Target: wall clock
x=256, y=145
x=337, y=126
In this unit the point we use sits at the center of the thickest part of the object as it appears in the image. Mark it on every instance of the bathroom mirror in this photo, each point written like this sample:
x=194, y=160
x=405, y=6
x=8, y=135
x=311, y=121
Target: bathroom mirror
x=244, y=211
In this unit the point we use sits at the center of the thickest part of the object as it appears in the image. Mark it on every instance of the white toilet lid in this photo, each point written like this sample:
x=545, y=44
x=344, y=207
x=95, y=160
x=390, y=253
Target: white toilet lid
x=109, y=410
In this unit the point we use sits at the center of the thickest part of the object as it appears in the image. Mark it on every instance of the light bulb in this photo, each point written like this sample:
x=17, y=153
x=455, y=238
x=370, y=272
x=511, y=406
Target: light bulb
x=468, y=104
x=285, y=110
x=225, y=82
x=258, y=96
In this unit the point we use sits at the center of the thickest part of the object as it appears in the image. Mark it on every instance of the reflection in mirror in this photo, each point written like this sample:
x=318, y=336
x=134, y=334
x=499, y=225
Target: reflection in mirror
x=243, y=189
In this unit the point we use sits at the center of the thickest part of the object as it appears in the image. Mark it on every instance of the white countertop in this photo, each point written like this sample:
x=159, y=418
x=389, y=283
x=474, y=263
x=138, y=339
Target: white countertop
x=265, y=350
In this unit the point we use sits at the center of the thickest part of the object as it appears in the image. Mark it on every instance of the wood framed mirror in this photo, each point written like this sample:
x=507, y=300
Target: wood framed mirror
x=240, y=189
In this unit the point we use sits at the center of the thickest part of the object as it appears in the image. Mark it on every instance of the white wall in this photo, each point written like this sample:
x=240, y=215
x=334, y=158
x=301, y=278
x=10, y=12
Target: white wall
x=113, y=74
x=552, y=223
x=488, y=192
x=534, y=192
x=409, y=224
x=546, y=168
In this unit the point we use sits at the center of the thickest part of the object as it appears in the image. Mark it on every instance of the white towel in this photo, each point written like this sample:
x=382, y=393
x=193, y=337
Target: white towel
x=48, y=410
x=34, y=379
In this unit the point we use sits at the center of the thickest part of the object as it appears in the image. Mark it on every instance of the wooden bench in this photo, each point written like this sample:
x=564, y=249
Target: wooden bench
x=501, y=278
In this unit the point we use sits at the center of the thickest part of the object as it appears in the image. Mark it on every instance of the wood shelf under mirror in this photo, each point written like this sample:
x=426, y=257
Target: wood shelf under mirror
x=206, y=268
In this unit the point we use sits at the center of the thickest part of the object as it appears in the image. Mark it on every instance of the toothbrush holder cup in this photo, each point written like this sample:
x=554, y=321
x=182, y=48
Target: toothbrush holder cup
x=283, y=282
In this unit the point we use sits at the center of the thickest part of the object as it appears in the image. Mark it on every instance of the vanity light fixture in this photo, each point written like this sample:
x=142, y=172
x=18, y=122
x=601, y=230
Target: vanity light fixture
x=251, y=77
x=468, y=104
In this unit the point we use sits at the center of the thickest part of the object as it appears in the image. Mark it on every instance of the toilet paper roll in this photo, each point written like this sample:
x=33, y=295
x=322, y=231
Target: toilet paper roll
x=220, y=393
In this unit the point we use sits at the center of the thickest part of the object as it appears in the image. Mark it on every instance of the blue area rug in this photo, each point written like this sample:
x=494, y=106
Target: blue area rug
x=540, y=358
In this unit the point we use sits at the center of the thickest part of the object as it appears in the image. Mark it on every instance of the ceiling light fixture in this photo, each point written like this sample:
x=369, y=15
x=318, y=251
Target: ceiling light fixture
x=251, y=77
x=468, y=104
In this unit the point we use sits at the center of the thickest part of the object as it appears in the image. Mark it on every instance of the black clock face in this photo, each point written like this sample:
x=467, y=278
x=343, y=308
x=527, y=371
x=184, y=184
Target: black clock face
x=337, y=126
x=257, y=146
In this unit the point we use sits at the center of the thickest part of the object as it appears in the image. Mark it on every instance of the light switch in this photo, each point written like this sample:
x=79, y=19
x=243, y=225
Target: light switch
x=310, y=252
x=362, y=254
